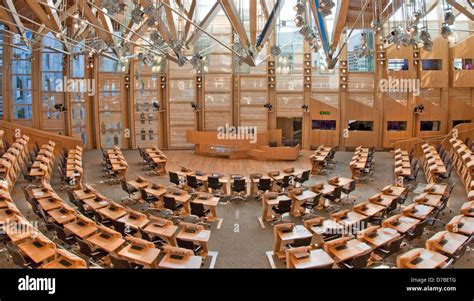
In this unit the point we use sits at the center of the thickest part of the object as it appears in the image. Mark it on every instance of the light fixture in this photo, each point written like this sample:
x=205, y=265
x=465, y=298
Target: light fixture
x=449, y=17
x=269, y=106
x=137, y=15
x=305, y=107
x=275, y=50
x=446, y=31
x=299, y=8
x=299, y=21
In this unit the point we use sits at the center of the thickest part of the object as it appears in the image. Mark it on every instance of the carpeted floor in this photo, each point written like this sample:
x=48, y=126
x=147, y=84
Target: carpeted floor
x=241, y=242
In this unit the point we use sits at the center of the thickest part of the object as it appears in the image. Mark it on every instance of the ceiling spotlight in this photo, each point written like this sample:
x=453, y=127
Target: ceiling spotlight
x=151, y=22
x=112, y=6
x=446, y=31
x=149, y=10
x=415, y=19
x=299, y=8
x=425, y=35
x=299, y=21
x=449, y=17
x=428, y=46
x=325, y=7
x=305, y=30
x=275, y=50
x=155, y=37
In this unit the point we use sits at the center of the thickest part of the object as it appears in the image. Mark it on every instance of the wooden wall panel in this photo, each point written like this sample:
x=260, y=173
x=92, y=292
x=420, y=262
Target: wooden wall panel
x=436, y=78
x=463, y=50
x=320, y=106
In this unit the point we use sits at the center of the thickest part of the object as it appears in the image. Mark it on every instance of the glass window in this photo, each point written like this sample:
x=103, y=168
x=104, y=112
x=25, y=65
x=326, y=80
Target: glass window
x=325, y=125
x=432, y=64
x=457, y=122
x=397, y=65
x=463, y=64
x=360, y=51
x=396, y=126
x=21, y=78
x=430, y=126
x=356, y=125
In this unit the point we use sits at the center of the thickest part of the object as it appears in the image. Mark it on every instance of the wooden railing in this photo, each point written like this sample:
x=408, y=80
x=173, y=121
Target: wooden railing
x=12, y=130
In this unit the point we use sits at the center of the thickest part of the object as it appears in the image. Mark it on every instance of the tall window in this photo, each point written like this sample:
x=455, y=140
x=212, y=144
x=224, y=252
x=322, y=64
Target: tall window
x=21, y=79
x=360, y=51
x=52, y=94
x=78, y=97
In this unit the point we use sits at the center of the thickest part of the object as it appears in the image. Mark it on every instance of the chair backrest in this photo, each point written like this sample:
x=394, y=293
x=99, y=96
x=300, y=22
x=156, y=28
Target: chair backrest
x=213, y=182
x=187, y=244
x=118, y=226
x=305, y=175
x=60, y=233
x=84, y=247
x=264, y=184
x=169, y=202
x=192, y=181
x=352, y=187
x=71, y=197
x=143, y=194
x=145, y=235
x=317, y=198
x=284, y=206
x=337, y=192
x=174, y=177
x=124, y=185
x=302, y=242
x=394, y=246
x=119, y=263
x=286, y=181
x=239, y=185
x=419, y=229
x=415, y=173
x=197, y=209
x=17, y=257
x=360, y=261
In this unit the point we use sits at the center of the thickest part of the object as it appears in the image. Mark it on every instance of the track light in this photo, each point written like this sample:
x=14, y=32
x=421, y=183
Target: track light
x=299, y=21
x=428, y=46
x=299, y=8
x=425, y=35
x=269, y=106
x=446, y=31
x=449, y=17
x=137, y=15
x=415, y=19
x=275, y=50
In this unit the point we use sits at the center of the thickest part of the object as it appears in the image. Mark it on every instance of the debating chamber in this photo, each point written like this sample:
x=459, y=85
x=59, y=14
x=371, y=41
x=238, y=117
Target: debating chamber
x=236, y=134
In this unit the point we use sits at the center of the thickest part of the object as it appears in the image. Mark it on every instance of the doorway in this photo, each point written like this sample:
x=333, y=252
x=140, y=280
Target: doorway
x=291, y=128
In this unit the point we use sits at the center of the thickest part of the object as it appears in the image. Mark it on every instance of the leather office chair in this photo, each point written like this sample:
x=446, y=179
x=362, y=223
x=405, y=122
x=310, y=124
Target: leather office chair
x=214, y=184
x=284, y=183
x=239, y=190
x=119, y=263
x=304, y=177
x=175, y=179
x=81, y=209
x=263, y=185
x=348, y=189
x=199, y=210
x=18, y=258
x=444, y=177
x=311, y=205
x=158, y=241
x=358, y=262
x=191, y=181
x=33, y=204
x=150, y=199
x=127, y=188
x=100, y=219
x=462, y=250
x=187, y=244
x=417, y=231
x=122, y=228
x=171, y=204
x=283, y=207
x=93, y=254
x=301, y=242
x=67, y=240
x=71, y=197
x=391, y=248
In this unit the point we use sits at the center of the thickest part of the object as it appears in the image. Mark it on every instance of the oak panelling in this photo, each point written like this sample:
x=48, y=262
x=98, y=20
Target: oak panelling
x=396, y=108
x=435, y=110
x=463, y=50
x=289, y=105
x=436, y=78
x=461, y=105
x=403, y=53
x=356, y=110
x=181, y=114
x=325, y=103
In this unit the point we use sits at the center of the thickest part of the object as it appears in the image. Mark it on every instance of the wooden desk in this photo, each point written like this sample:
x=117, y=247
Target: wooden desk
x=269, y=203
x=183, y=198
x=340, y=182
x=95, y=203
x=110, y=244
x=439, y=189
x=326, y=189
x=210, y=202
x=433, y=200
x=368, y=209
x=163, y=229
x=353, y=248
x=38, y=253
x=384, y=236
x=187, y=262
x=142, y=254
x=156, y=192
x=461, y=224
x=134, y=220
x=82, y=227
x=112, y=211
x=400, y=223
x=394, y=190
x=422, y=211
x=467, y=208
x=40, y=193
x=328, y=226
x=65, y=260
x=282, y=238
x=384, y=200
x=296, y=209
x=429, y=259
x=138, y=185
x=454, y=242
x=200, y=237
x=62, y=215
x=50, y=204
x=352, y=219
x=83, y=195
x=316, y=259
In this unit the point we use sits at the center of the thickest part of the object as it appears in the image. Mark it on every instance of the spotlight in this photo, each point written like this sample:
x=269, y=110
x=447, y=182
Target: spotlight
x=275, y=50
x=156, y=105
x=137, y=15
x=269, y=106
x=194, y=106
x=299, y=8
x=59, y=107
x=449, y=17
x=305, y=107
x=419, y=109
x=425, y=35
x=299, y=21
x=446, y=31
x=428, y=46
x=415, y=19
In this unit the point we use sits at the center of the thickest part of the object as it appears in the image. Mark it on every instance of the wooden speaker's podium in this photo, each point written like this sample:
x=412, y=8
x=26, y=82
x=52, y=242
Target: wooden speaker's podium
x=216, y=144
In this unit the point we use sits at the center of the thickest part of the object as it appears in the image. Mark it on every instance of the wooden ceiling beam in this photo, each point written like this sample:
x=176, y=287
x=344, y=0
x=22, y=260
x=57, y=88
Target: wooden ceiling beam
x=341, y=21
x=233, y=15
